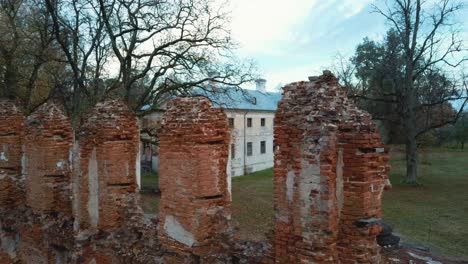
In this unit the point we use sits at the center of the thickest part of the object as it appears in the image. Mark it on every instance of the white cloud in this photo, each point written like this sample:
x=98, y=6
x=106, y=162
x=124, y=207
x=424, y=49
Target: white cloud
x=259, y=24
x=291, y=74
x=351, y=8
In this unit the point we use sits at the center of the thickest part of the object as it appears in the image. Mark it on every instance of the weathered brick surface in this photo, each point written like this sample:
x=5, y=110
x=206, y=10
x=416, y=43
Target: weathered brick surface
x=47, y=146
x=328, y=175
x=11, y=135
x=195, y=200
x=50, y=226
x=107, y=163
x=82, y=200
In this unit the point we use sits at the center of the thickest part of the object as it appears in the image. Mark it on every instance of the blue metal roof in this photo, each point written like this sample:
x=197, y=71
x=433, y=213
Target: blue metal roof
x=243, y=99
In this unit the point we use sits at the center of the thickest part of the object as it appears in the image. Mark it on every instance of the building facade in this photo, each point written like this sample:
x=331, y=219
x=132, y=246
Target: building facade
x=251, y=147
x=251, y=118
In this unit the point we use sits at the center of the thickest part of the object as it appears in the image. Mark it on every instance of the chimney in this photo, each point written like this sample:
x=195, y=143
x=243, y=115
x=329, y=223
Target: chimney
x=261, y=85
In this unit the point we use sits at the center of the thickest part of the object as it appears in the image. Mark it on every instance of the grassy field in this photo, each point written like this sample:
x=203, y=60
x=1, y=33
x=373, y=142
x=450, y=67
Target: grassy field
x=150, y=200
x=252, y=204
x=434, y=214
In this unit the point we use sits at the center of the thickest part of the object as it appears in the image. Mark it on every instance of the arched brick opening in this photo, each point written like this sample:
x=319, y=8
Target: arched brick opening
x=106, y=189
x=329, y=175
x=11, y=137
x=194, y=210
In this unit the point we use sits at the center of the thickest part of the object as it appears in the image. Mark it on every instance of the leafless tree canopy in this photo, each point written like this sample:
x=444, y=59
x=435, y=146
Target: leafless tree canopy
x=28, y=55
x=81, y=51
x=144, y=49
x=411, y=76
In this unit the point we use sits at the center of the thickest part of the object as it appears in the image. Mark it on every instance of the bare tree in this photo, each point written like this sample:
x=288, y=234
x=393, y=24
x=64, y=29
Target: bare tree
x=147, y=48
x=28, y=58
x=79, y=31
x=430, y=41
x=345, y=70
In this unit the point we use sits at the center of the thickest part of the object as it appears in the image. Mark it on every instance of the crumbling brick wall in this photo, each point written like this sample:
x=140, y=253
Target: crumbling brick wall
x=11, y=136
x=47, y=147
x=107, y=166
x=330, y=171
x=195, y=200
x=30, y=233
x=71, y=196
x=364, y=175
x=49, y=226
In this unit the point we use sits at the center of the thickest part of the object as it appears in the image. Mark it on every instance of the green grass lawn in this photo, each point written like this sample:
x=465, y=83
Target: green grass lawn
x=434, y=214
x=252, y=204
x=149, y=180
x=149, y=199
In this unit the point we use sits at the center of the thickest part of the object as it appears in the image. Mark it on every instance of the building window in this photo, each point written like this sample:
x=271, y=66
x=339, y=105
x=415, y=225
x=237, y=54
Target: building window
x=262, y=122
x=249, y=122
x=231, y=122
x=263, y=147
x=233, y=151
x=249, y=149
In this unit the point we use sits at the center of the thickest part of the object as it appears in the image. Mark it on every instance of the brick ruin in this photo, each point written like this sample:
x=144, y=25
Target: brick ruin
x=195, y=200
x=71, y=196
x=108, y=147
x=329, y=175
x=11, y=138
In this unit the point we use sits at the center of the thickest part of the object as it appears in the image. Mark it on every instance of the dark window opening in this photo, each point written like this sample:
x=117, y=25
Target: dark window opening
x=249, y=149
x=263, y=147
x=249, y=122
x=231, y=122
x=233, y=151
x=262, y=122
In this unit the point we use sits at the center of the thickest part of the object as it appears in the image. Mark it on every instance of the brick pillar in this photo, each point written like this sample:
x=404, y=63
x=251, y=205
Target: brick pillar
x=195, y=201
x=48, y=143
x=365, y=168
x=304, y=175
x=330, y=171
x=11, y=135
x=106, y=167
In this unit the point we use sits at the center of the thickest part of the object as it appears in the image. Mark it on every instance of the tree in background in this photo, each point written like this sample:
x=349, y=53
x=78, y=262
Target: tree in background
x=408, y=79
x=30, y=63
x=460, y=131
x=143, y=50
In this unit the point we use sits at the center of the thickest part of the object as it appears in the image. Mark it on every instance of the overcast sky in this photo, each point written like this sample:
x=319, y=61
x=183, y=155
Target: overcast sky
x=291, y=40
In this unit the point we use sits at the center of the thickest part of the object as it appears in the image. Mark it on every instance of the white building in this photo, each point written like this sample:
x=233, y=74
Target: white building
x=251, y=115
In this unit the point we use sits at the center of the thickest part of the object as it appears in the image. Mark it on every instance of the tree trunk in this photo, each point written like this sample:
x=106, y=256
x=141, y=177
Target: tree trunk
x=411, y=146
x=11, y=78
